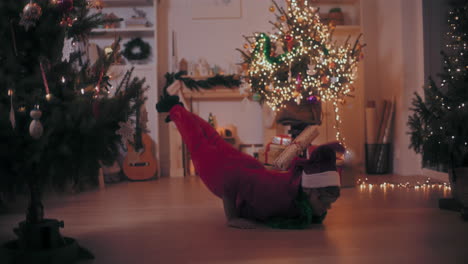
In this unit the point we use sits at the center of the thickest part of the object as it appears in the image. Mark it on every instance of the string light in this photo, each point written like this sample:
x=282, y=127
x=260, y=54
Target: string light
x=426, y=185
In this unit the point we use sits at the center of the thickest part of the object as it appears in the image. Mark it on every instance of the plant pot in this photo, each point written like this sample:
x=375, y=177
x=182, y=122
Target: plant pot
x=304, y=113
x=459, y=181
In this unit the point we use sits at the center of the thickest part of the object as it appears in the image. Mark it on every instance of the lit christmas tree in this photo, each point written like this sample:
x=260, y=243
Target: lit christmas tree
x=439, y=124
x=57, y=119
x=300, y=62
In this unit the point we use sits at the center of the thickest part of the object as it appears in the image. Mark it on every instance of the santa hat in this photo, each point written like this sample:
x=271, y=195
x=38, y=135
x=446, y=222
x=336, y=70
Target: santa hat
x=320, y=169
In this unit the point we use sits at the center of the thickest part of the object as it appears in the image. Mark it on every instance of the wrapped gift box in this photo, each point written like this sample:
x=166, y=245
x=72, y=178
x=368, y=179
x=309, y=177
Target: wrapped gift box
x=270, y=153
x=282, y=140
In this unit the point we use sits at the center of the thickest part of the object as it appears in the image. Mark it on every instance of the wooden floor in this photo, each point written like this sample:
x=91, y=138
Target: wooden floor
x=178, y=221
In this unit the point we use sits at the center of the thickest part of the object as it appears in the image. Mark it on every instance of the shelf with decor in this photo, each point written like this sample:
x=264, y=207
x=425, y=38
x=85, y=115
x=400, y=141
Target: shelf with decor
x=138, y=47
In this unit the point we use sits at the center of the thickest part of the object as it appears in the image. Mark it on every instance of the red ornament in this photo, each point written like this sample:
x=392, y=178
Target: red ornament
x=66, y=21
x=289, y=42
x=324, y=79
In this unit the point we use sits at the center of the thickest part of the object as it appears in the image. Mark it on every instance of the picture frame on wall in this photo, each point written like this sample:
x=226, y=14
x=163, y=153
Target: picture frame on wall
x=216, y=9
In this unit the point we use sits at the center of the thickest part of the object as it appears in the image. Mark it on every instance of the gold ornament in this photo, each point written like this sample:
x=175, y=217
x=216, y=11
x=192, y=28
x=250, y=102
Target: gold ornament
x=252, y=45
x=283, y=18
x=246, y=46
x=31, y=14
x=296, y=94
x=272, y=9
x=300, y=19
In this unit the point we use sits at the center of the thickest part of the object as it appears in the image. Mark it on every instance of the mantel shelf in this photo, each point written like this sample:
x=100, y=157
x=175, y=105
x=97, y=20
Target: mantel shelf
x=123, y=30
x=216, y=93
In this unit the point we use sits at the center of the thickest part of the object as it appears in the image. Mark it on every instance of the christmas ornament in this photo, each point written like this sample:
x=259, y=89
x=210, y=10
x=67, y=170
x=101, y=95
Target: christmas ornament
x=272, y=9
x=126, y=132
x=35, y=128
x=271, y=87
x=324, y=79
x=300, y=19
x=31, y=14
x=311, y=69
x=289, y=42
x=334, y=79
x=252, y=45
x=279, y=49
x=283, y=18
x=312, y=99
x=68, y=49
x=296, y=94
x=256, y=97
x=12, y=110
x=246, y=46
x=66, y=21
x=298, y=82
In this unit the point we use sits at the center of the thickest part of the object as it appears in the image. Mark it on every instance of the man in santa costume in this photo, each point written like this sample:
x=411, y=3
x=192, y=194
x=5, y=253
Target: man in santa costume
x=252, y=194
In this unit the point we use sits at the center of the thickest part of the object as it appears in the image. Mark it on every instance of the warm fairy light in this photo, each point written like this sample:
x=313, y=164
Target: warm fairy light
x=331, y=69
x=10, y=92
x=363, y=185
x=48, y=97
x=82, y=91
x=63, y=79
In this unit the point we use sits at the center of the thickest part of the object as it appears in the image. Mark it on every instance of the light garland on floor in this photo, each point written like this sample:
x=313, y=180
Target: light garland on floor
x=427, y=185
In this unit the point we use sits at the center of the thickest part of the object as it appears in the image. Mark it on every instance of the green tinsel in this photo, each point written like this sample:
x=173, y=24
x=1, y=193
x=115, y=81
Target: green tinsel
x=229, y=81
x=304, y=220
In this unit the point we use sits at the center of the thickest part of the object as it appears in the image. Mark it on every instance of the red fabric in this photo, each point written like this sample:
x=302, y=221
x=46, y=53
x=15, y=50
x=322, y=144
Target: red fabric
x=260, y=193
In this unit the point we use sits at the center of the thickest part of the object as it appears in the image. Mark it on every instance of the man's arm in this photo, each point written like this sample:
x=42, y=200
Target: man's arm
x=232, y=214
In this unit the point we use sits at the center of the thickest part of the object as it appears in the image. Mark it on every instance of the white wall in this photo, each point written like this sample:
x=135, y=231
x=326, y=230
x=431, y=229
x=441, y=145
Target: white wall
x=395, y=67
x=216, y=41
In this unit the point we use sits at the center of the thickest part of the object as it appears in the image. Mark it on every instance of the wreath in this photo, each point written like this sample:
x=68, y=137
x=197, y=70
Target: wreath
x=136, y=49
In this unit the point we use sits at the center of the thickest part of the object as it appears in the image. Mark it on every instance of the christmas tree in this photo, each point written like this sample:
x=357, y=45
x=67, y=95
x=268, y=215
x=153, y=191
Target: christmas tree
x=300, y=62
x=57, y=116
x=439, y=123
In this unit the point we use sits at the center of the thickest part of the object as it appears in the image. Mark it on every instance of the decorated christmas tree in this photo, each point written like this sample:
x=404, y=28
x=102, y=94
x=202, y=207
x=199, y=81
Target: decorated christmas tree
x=300, y=62
x=58, y=112
x=439, y=124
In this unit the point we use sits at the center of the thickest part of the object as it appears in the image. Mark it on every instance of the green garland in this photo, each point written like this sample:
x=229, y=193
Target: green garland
x=129, y=51
x=229, y=81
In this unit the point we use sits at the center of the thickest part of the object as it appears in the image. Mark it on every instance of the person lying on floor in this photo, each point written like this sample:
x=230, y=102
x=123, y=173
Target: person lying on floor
x=252, y=194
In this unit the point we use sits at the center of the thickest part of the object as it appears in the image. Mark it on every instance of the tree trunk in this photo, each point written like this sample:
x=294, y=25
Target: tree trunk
x=35, y=212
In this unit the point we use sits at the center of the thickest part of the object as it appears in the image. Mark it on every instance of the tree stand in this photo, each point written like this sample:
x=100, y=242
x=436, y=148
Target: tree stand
x=459, y=181
x=39, y=240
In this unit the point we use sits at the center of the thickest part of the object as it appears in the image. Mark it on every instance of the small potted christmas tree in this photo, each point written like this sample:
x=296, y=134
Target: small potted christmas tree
x=439, y=124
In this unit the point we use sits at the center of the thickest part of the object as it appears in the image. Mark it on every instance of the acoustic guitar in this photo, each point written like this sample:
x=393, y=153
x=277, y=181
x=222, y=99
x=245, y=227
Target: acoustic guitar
x=140, y=163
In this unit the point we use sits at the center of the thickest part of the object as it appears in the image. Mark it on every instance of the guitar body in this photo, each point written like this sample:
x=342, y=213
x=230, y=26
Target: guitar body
x=141, y=165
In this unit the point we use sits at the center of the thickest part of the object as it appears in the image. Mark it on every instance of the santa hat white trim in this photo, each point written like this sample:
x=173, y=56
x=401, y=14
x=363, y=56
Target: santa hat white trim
x=320, y=180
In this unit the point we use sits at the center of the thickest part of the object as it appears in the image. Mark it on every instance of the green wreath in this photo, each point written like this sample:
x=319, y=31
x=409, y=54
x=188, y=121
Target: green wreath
x=137, y=49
